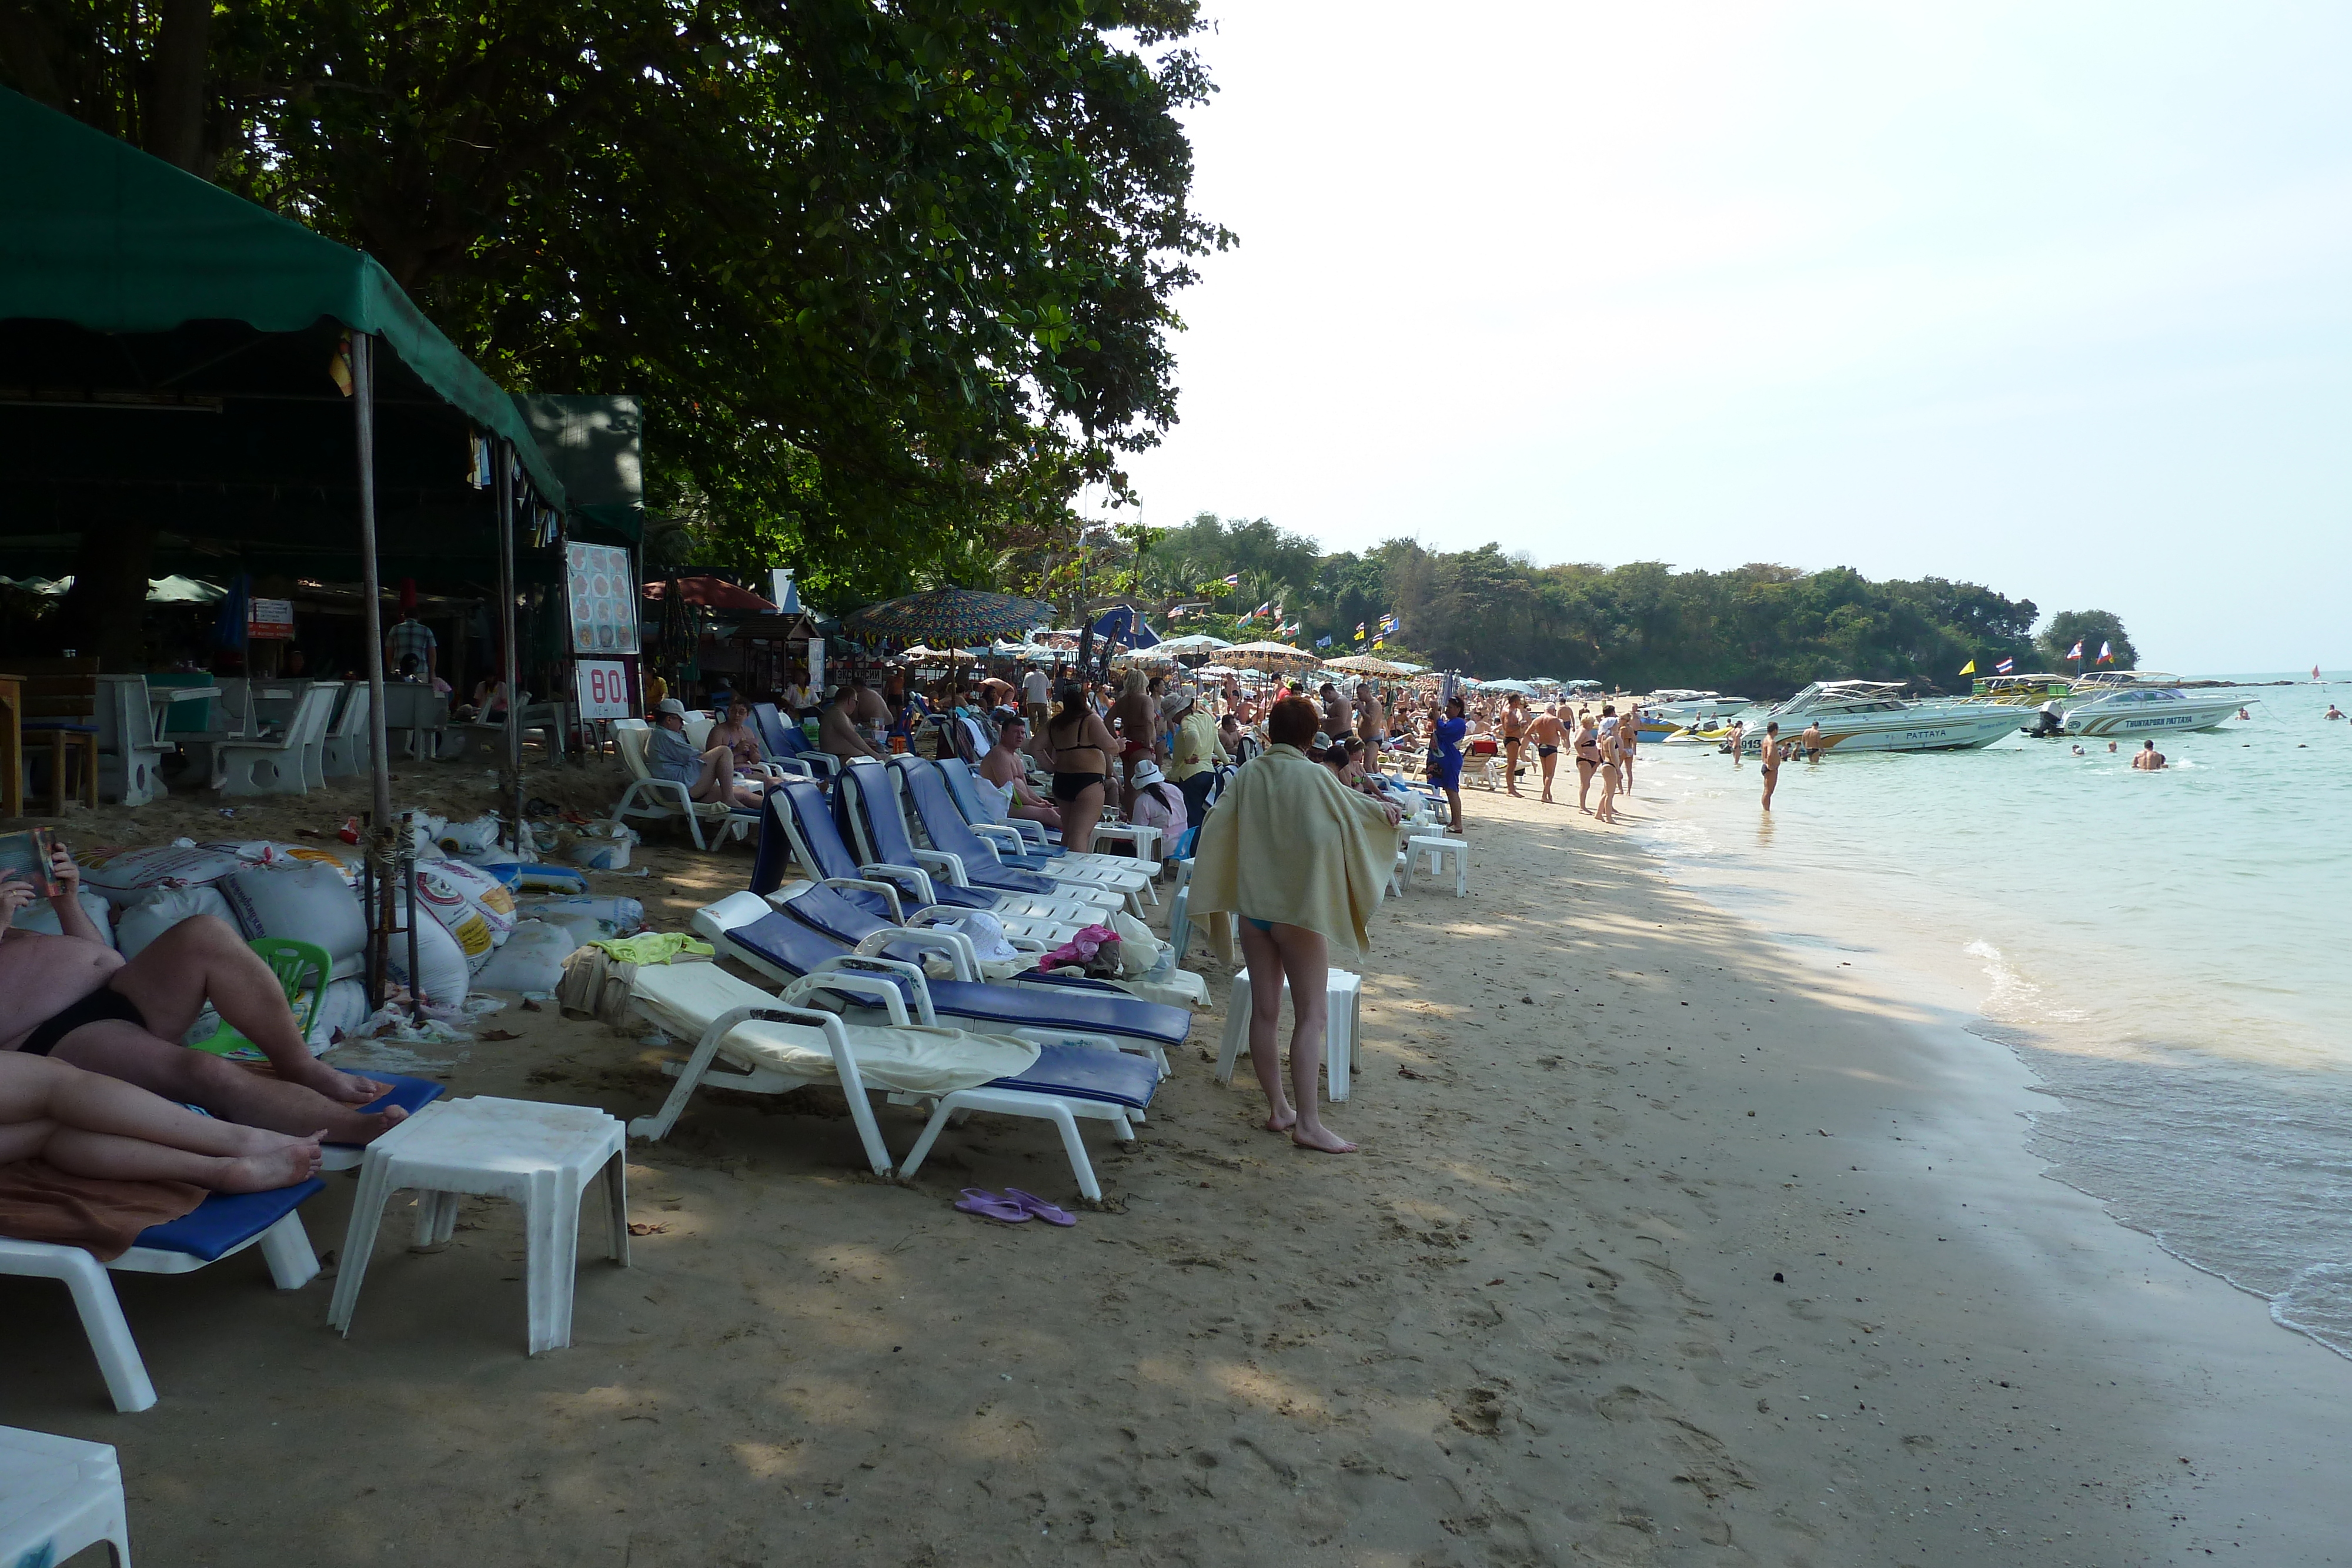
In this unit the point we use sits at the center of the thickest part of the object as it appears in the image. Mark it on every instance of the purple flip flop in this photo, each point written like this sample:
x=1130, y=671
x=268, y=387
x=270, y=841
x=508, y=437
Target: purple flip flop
x=1029, y=1204
x=988, y=1206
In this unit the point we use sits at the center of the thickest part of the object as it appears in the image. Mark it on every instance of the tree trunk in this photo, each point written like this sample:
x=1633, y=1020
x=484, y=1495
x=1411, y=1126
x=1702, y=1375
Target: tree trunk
x=104, y=612
x=175, y=108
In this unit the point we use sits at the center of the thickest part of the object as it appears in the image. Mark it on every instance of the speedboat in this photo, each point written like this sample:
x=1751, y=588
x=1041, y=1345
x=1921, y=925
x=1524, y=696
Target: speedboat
x=2141, y=702
x=2021, y=691
x=1871, y=715
x=1671, y=711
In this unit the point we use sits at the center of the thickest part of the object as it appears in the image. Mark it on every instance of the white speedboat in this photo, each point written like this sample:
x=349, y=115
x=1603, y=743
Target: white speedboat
x=1871, y=715
x=2141, y=702
x=1667, y=712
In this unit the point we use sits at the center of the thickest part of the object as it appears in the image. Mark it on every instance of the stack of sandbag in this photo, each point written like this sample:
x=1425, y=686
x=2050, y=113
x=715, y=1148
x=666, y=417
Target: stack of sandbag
x=589, y=919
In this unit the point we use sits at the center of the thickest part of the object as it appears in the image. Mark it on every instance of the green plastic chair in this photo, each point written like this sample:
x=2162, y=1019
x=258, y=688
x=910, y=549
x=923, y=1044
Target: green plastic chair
x=299, y=967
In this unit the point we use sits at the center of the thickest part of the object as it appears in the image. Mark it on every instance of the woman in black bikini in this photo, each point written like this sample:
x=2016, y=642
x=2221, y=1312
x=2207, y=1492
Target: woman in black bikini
x=1082, y=746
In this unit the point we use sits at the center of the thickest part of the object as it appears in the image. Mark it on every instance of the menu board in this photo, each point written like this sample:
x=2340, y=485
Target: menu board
x=602, y=599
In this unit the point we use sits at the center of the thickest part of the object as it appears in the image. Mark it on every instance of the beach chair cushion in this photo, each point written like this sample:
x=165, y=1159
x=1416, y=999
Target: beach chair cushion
x=684, y=1000
x=227, y=1220
x=876, y=805
x=1086, y=1072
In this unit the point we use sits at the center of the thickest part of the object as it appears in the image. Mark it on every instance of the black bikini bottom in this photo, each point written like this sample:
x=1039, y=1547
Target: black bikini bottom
x=101, y=1005
x=1070, y=786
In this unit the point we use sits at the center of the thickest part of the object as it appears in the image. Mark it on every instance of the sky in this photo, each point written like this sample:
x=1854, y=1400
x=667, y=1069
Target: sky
x=2056, y=298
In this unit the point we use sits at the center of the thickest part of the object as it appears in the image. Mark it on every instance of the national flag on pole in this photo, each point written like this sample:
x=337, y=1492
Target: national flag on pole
x=1360, y=631
x=1235, y=580
x=1969, y=668
x=1269, y=604
x=1322, y=641
x=2106, y=654
x=2075, y=652
x=1388, y=622
x=1380, y=643
x=2004, y=666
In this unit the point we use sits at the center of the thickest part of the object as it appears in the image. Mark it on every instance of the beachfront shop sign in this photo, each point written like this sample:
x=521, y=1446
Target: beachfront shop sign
x=603, y=689
x=601, y=595
x=269, y=618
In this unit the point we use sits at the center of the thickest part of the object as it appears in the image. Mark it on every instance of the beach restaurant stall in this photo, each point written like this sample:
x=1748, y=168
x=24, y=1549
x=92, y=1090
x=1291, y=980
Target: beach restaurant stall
x=190, y=383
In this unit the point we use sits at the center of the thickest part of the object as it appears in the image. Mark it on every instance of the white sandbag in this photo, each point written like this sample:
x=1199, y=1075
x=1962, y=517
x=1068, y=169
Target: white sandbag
x=342, y=1010
x=41, y=916
x=444, y=973
x=300, y=899
x=125, y=876
x=464, y=838
x=275, y=852
x=590, y=919
x=445, y=885
x=531, y=959
x=159, y=911
x=550, y=879
x=606, y=852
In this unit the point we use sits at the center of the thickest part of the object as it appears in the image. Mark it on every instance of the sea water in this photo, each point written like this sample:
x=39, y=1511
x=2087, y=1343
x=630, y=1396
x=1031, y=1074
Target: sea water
x=2166, y=951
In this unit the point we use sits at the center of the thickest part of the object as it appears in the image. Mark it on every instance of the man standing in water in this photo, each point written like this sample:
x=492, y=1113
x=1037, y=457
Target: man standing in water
x=1769, y=755
x=1811, y=740
x=2149, y=758
x=1738, y=739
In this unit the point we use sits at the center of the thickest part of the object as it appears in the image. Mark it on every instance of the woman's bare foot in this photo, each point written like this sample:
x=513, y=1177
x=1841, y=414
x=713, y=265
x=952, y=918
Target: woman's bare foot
x=297, y=1161
x=256, y=1141
x=1322, y=1139
x=1281, y=1121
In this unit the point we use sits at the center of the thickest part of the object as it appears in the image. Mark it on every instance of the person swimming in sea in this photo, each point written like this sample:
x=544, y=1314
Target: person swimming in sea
x=2333, y=712
x=2149, y=759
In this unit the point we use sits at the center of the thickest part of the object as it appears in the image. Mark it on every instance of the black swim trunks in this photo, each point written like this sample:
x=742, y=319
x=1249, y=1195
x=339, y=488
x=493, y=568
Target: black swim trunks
x=1547, y=751
x=102, y=1004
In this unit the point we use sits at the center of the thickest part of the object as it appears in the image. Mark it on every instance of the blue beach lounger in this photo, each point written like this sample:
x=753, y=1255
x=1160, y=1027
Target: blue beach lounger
x=222, y=1226
x=810, y=926
x=797, y=820
x=926, y=796
x=869, y=801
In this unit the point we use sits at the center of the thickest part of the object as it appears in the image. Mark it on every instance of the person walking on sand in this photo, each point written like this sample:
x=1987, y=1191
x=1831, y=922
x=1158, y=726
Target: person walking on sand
x=1588, y=757
x=1301, y=860
x=1606, y=811
x=1548, y=735
x=1769, y=756
x=1514, y=738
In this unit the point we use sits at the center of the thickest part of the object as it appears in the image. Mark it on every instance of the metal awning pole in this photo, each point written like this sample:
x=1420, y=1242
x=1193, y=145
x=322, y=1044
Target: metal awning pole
x=510, y=761
x=379, y=827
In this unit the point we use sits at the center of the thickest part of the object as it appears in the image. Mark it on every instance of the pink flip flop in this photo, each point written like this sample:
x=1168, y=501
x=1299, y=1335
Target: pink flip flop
x=1029, y=1204
x=988, y=1206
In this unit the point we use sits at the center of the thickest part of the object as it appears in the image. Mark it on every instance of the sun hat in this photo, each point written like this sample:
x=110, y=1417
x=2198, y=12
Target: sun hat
x=987, y=934
x=670, y=706
x=1174, y=704
x=1147, y=772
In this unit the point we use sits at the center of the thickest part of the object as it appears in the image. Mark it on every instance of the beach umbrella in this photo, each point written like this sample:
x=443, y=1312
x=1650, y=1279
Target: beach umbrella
x=949, y=615
x=1198, y=643
x=1524, y=688
x=1365, y=664
x=1271, y=656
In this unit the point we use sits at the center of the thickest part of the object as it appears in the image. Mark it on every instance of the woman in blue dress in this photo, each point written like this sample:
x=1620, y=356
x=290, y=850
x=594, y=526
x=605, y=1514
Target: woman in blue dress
x=1445, y=755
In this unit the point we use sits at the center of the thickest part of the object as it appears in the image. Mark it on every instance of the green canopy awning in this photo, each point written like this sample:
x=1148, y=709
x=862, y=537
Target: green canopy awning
x=100, y=235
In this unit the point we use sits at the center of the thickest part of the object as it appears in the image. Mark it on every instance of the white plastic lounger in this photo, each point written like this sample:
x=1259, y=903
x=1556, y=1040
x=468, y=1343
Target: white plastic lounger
x=772, y=1044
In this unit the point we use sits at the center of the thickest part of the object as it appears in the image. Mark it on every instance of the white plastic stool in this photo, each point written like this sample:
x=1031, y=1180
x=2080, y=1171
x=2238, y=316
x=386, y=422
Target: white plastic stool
x=58, y=1495
x=1343, y=1000
x=540, y=1156
x=1438, y=849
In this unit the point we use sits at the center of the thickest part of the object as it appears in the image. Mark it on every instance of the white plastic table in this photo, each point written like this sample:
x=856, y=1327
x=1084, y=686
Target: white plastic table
x=540, y=1156
x=58, y=1495
x=1146, y=840
x=1343, y=1002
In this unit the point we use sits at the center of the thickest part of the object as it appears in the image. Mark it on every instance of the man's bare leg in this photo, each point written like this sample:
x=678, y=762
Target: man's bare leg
x=86, y=1124
x=202, y=958
x=122, y=1049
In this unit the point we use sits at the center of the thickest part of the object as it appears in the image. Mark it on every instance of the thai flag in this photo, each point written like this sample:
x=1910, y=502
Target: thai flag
x=1360, y=631
x=1235, y=580
x=2106, y=654
x=2004, y=666
x=2075, y=652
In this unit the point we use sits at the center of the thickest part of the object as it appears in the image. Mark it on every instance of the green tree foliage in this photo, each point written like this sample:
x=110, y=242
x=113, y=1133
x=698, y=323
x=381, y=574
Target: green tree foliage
x=2090, y=628
x=1761, y=630
x=895, y=280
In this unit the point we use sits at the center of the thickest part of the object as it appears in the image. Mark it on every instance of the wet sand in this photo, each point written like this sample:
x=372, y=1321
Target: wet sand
x=1536, y=1321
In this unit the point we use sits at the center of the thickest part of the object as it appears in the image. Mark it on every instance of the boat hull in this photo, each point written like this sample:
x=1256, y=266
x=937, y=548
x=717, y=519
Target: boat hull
x=2173, y=718
x=1955, y=733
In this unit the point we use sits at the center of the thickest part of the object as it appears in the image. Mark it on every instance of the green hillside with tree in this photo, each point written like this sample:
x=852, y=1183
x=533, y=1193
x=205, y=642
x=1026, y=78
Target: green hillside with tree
x=1760, y=630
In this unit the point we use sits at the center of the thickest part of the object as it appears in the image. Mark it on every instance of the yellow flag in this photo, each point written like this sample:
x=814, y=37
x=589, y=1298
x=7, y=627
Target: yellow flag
x=1969, y=668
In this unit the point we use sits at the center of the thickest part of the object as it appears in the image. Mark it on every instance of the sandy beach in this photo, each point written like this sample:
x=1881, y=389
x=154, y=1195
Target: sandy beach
x=1666, y=1243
